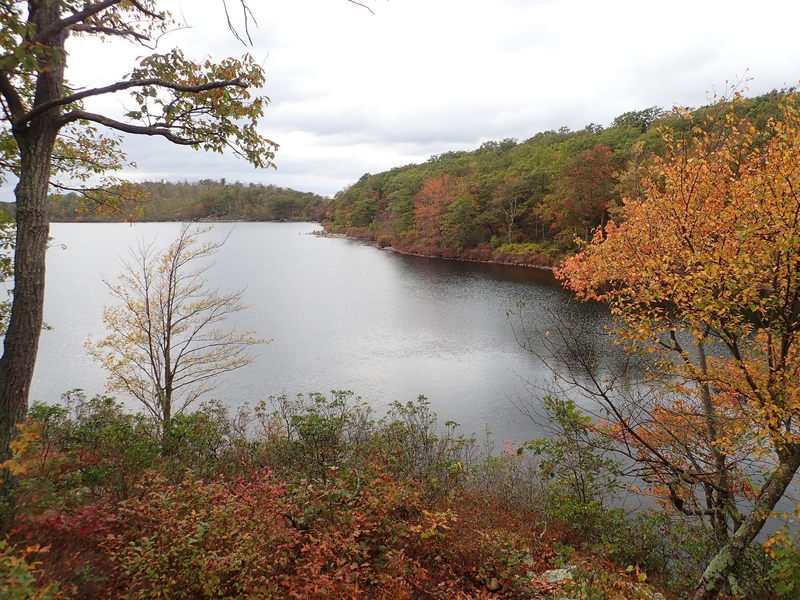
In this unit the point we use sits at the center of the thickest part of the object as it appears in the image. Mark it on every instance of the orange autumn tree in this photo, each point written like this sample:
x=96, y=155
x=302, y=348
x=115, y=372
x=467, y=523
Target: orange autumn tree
x=704, y=273
x=430, y=207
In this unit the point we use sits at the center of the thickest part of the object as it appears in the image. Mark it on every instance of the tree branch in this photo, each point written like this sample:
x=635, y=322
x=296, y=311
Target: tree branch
x=124, y=85
x=247, y=16
x=78, y=115
x=12, y=97
x=121, y=32
x=362, y=5
x=75, y=18
x=87, y=193
x=142, y=9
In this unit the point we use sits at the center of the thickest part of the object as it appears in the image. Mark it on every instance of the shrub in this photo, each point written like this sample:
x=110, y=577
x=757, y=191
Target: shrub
x=578, y=476
x=221, y=539
x=18, y=574
x=410, y=441
x=86, y=448
x=357, y=507
x=207, y=441
x=784, y=550
x=383, y=240
x=307, y=434
x=347, y=537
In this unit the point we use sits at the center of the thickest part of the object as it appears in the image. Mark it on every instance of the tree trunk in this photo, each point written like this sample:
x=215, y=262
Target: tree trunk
x=27, y=308
x=35, y=140
x=728, y=557
x=722, y=500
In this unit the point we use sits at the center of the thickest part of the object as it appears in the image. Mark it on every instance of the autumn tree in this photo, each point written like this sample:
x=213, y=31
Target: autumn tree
x=704, y=274
x=47, y=131
x=640, y=119
x=431, y=204
x=166, y=345
x=511, y=198
x=583, y=193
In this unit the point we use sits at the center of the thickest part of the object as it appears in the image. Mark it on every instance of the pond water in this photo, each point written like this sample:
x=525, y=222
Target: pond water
x=340, y=314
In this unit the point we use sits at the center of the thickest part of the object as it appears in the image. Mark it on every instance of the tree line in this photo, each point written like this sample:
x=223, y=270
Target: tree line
x=519, y=202
x=206, y=200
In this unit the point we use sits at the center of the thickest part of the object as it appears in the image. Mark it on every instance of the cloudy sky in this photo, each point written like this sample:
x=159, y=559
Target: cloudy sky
x=354, y=92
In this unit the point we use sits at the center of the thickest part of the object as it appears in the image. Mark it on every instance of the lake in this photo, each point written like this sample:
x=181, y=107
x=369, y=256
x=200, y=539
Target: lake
x=340, y=314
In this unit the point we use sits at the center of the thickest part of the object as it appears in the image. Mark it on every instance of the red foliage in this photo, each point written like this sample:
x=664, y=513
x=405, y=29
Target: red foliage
x=431, y=204
x=583, y=194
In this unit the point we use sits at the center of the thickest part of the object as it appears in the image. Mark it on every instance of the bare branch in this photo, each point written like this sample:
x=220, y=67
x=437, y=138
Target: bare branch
x=362, y=5
x=118, y=31
x=95, y=195
x=247, y=14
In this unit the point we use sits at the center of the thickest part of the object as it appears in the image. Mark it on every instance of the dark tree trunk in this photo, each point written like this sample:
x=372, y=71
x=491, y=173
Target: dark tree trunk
x=27, y=308
x=35, y=140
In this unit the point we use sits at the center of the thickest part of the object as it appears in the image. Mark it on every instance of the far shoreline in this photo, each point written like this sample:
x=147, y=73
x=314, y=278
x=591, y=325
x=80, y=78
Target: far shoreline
x=329, y=234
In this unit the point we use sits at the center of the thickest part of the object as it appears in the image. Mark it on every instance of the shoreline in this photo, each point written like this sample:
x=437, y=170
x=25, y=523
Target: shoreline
x=470, y=260
x=328, y=234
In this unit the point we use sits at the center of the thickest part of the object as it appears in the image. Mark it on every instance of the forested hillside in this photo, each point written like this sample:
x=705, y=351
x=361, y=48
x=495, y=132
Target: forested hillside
x=206, y=199
x=518, y=202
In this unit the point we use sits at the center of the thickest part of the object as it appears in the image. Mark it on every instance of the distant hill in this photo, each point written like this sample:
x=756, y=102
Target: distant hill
x=517, y=202
x=203, y=200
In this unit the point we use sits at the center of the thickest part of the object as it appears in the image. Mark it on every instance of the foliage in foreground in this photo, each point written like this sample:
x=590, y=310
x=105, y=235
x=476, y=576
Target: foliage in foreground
x=314, y=497
x=702, y=274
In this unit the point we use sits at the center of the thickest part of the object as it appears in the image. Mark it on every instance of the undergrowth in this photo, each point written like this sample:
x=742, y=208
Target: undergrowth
x=314, y=496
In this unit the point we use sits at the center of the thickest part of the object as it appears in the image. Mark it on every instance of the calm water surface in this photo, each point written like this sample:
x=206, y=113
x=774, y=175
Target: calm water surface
x=342, y=315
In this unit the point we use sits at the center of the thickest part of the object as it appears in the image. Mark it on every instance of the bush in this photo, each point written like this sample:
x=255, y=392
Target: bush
x=307, y=434
x=383, y=240
x=784, y=550
x=579, y=478
x=18, y=575
x=207, y=441
x=312, y=495
x=86, y=448
x=222, y=539
x=409, y=440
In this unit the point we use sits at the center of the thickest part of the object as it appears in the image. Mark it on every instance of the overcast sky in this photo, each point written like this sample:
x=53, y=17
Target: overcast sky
x=354, y=92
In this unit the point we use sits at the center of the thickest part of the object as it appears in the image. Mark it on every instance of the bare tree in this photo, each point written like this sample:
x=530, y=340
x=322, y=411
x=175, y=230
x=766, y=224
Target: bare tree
x=165, y=345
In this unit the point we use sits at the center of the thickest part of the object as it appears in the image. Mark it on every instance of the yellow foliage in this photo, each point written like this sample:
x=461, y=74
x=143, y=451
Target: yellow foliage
x=704, y=274
x=29, y=433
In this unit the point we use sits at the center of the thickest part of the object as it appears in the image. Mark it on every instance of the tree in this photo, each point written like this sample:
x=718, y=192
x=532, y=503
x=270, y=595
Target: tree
x=704, y=274
x=165, y=347
x=640, y=119
x=458, y=222
x=47, y=132
x=430, y=207
x=511, y=198
x=583, y=193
